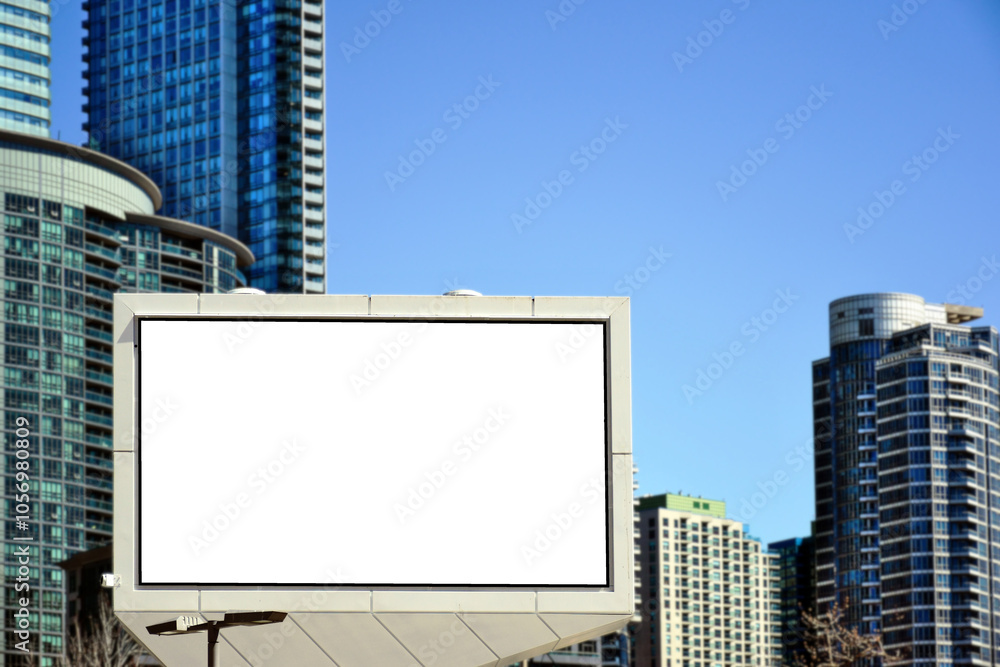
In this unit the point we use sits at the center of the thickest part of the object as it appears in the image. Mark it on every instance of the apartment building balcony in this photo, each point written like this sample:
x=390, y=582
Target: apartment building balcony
x=313, y=80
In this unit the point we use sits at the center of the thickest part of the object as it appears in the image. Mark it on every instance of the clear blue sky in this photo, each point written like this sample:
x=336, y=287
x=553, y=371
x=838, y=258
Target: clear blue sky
x=887, y=92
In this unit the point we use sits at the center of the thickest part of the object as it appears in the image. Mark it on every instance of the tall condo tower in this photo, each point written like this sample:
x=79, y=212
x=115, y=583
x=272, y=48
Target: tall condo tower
x=221, y=104
x=78, y=226
x=908, y=475
x=24, y=66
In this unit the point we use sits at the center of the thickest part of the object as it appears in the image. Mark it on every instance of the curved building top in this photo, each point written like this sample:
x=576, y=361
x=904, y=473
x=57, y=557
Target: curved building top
x=89, y=163
x=54, y=170
x=879, y=315
x=244, y=257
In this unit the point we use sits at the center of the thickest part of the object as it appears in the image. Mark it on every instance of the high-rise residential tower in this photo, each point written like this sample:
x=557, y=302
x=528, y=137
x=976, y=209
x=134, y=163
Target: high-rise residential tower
x=221, y=104
x=24, y=66
x=77, y=227
x=908, y=476
x=710, y=589
x=796, y=563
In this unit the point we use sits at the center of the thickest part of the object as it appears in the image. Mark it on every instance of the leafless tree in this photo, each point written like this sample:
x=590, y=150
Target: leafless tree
x=104, y=642
x=827, y=642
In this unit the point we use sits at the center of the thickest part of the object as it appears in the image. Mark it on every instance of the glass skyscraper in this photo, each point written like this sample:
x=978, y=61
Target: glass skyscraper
x=796, y=563
x=24, y=66
x=908, y=476
x=221, y=104
x=77, y=227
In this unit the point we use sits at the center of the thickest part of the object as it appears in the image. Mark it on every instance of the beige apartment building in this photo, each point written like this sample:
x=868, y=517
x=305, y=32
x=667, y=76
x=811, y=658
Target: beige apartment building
x=710, y=589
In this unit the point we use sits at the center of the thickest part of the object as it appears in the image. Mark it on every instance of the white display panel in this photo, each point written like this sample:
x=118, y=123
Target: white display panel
x=385, y=452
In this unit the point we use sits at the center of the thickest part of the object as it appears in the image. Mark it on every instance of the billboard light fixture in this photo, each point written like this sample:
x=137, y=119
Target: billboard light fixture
x=186, y=625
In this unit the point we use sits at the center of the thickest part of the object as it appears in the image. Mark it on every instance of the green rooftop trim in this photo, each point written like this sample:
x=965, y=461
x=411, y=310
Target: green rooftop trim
x=671, y=501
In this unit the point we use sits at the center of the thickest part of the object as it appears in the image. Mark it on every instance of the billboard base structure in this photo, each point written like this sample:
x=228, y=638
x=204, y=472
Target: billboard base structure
x=455, y=488
x=384, y=639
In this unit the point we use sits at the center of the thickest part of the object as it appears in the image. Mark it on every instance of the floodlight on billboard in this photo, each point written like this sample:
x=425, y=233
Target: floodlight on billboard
x=395, y=473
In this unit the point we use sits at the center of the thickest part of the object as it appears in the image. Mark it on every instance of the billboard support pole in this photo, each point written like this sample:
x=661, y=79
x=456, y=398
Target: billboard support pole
x=213, y=642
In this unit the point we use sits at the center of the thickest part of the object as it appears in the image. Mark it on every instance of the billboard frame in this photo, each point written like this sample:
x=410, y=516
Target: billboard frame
x=570, y=613
x=606, y=455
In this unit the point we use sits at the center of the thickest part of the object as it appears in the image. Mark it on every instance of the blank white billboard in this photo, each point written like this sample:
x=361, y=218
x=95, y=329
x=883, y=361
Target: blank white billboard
x=372, y=452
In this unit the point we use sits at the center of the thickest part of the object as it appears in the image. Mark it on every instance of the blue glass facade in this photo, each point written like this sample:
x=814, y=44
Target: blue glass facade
x=906, y=421
x=76, y=228
x=796, y=562
x=939, y=488
x=855, y=458
x=155, y=99
x=220, y=103
x=270, y=185
x=25, y=50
